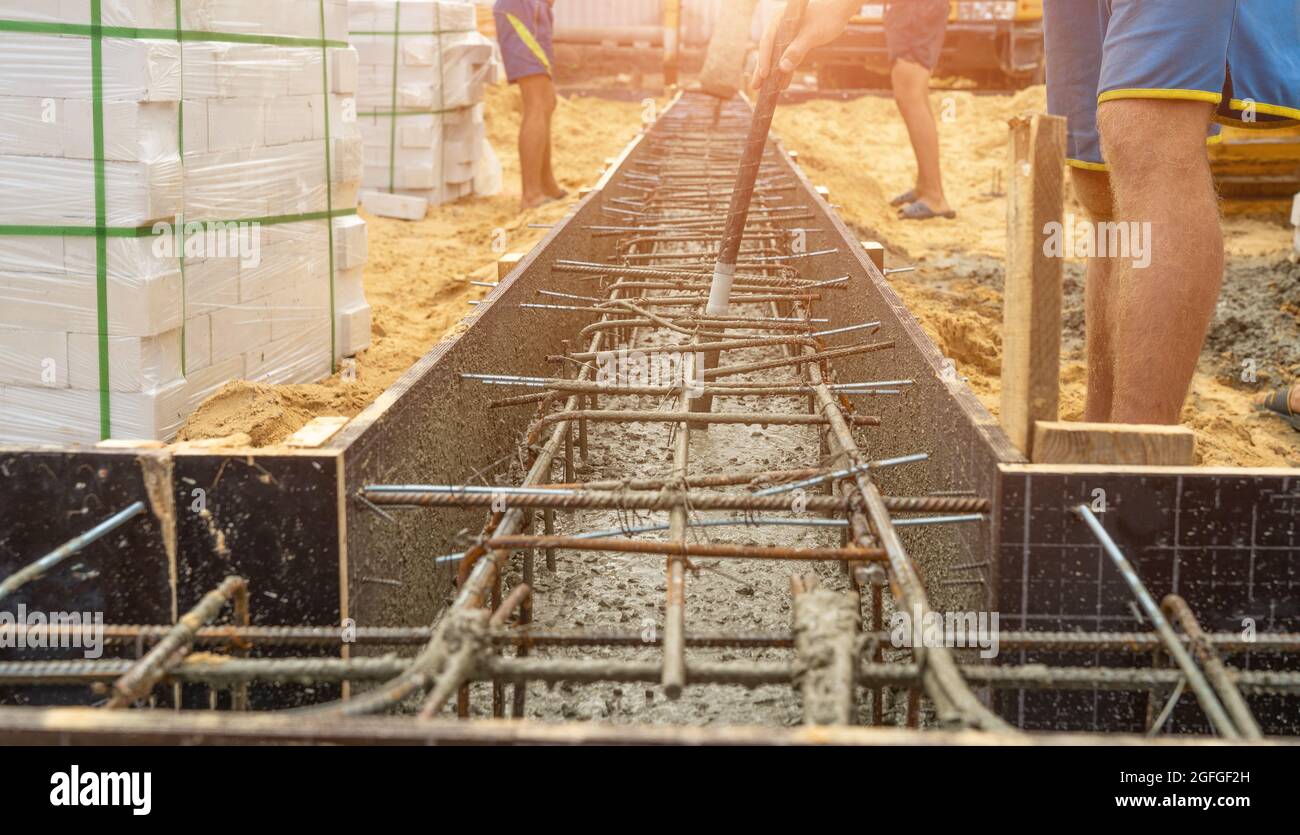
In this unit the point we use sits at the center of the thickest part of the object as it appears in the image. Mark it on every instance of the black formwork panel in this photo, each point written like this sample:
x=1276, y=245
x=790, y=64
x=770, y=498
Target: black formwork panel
x=271, y=519
x=50, y=496
x=1227, y=541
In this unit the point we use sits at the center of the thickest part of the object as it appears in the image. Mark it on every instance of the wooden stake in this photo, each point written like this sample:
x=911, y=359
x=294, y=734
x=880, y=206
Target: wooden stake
x=672, y=10
x=1031, y=324
x=508, y=262
x=876, y=252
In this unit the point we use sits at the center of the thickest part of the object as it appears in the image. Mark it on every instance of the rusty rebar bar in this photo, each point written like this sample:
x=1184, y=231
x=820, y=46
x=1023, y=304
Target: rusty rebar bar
x=143, y=675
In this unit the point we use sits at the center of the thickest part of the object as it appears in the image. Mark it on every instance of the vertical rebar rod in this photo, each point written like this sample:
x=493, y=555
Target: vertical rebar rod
x=674, y=675
x=1200, y=687
x=1215, y=670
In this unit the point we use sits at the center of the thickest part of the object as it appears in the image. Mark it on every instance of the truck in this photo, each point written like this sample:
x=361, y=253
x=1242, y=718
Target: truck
x=996, y=44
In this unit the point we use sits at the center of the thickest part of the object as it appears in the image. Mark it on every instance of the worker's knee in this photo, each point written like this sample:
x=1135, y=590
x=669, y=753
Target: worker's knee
x=1153, y=138
x=1092, y=188
x=538, y=95
x=909, y=80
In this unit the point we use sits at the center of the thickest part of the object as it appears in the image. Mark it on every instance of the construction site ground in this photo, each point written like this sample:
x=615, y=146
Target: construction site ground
x=418, y=276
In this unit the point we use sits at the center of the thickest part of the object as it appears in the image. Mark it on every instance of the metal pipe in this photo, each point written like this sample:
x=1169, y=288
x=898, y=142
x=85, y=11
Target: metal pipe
x=743, y=192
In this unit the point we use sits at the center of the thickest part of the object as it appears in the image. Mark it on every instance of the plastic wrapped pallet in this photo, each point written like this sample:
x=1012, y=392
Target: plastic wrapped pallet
x=177, y=208
x=423, y=72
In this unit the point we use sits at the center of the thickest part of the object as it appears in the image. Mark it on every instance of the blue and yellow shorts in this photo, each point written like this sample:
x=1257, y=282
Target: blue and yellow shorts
x=525, y=31
x=1241, y=55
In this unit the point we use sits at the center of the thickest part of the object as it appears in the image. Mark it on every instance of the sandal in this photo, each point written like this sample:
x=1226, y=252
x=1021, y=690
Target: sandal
x=920, y=211
x=1279, y=403
x=904, y=198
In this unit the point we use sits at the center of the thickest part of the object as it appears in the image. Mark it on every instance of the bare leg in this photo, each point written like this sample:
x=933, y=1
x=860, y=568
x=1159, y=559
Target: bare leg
x=534, y=136
x=1093, y=190
x=549, y=186
x=911, y=84
x=1160, y=175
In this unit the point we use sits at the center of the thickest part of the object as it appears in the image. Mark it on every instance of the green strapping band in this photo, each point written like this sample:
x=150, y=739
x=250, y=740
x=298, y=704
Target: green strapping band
x=392, y=129
x=41, y=230
x=101, y=218
x=329, y=182
x=178, y=34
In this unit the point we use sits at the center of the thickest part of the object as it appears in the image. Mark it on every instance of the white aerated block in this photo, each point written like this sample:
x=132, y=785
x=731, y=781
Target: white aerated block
x=433, y=72
x=72, y=416
x=354, y=330
x=136, y=363
x=397, y=206
x=351, y=248
x=198, y=343
x=33, y=358
x=221, y=161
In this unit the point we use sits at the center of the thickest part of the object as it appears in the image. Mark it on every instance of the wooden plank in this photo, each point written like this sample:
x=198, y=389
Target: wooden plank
x=86, y=726
x=1031, y=324
x=1058, y=442
x=128, y=443
x=316, y=432
x=218, y=446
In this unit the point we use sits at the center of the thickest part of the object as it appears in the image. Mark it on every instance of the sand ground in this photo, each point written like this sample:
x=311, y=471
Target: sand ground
x=956, y=292
x=418, y=273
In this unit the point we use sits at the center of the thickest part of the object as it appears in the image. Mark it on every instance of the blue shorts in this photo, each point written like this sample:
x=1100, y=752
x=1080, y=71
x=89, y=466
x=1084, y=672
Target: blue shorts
x=525, y=29
x=1241, y=55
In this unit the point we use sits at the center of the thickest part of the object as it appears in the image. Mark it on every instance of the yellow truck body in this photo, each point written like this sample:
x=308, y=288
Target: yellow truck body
x=1257, y=169
x=995, y=43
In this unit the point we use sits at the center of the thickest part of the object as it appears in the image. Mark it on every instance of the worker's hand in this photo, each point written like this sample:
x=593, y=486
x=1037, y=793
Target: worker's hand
x=823, y=22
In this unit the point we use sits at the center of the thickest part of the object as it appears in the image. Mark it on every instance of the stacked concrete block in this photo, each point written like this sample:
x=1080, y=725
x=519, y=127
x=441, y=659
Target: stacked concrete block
x=169, y=228
x=423, y=74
